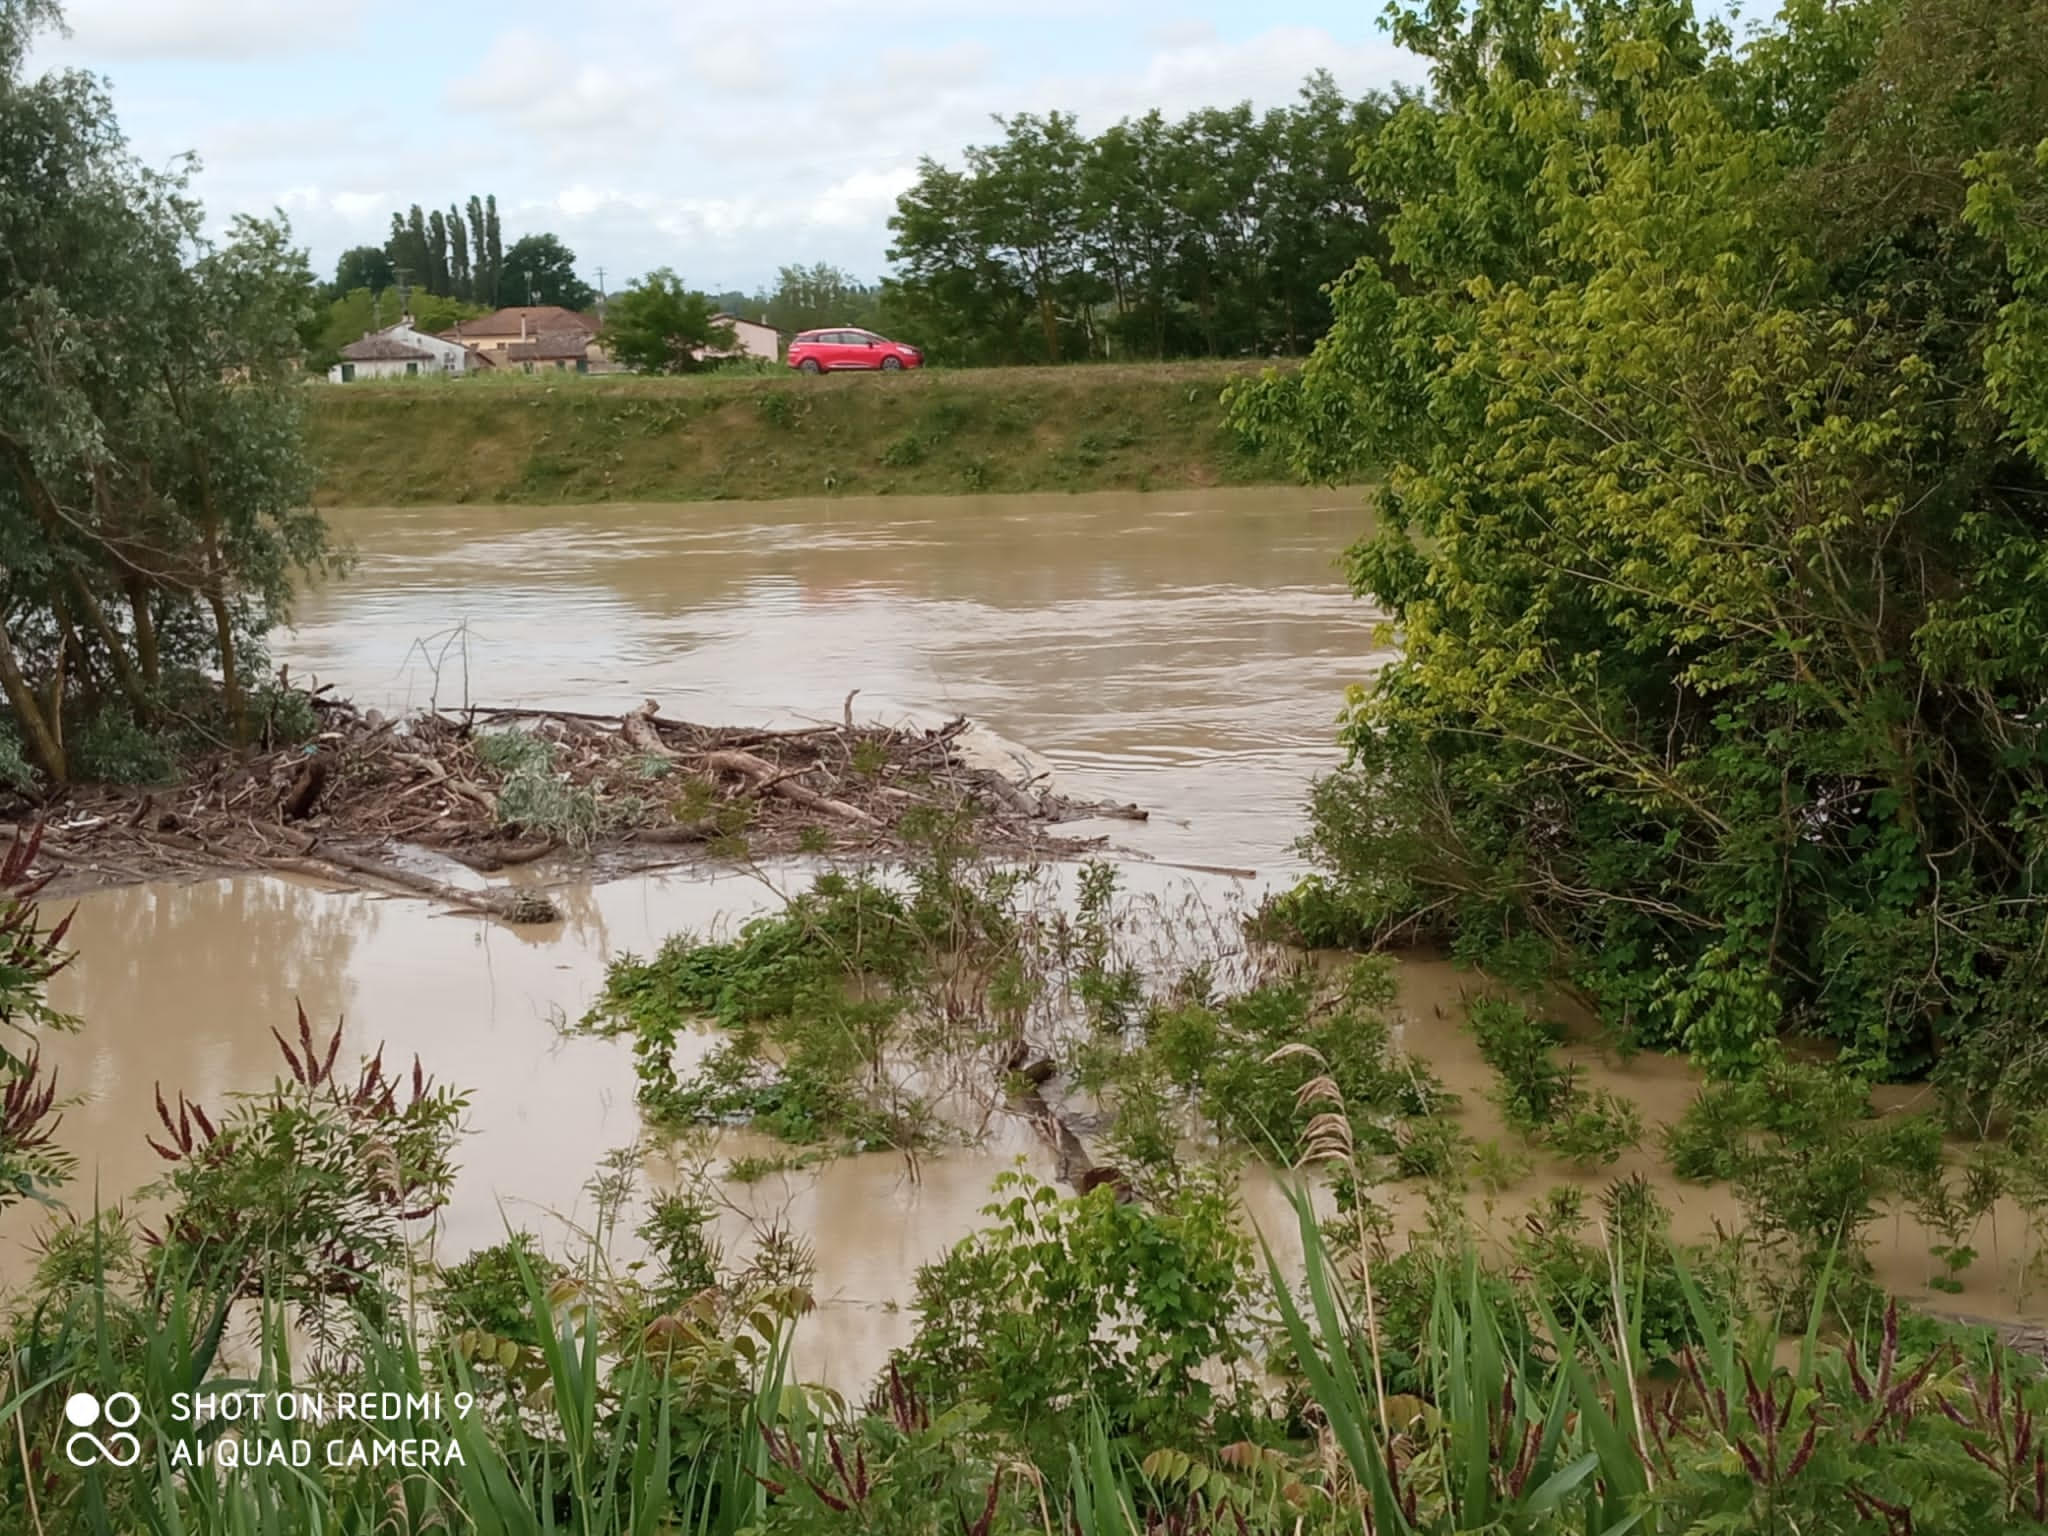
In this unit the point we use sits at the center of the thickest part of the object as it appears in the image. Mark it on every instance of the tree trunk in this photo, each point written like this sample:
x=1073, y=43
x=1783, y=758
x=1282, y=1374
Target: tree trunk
x=145, y=631
x=1048, y=318
x=45, y=745
x=224, y=634
x=125, y=673
x=69, y=645
x=46, y=513
x=53, y=714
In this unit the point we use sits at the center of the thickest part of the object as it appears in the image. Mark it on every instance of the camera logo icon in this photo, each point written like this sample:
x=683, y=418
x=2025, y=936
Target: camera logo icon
x=83, y=1448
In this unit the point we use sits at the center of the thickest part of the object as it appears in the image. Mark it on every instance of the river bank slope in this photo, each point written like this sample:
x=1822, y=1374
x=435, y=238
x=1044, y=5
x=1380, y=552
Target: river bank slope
x=749, y=437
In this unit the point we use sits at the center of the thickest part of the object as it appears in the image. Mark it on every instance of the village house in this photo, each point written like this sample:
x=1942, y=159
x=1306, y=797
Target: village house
x=533, y=337
x=751, y=338
x=398, y=351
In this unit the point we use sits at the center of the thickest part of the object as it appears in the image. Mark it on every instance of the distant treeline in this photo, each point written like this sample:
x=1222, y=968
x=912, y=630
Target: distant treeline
x=807, y=298
x=461, y=255
x=1215, y=235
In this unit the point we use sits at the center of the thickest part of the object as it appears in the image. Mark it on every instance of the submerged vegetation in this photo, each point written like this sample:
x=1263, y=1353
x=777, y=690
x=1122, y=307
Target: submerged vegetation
x=1133, y=1358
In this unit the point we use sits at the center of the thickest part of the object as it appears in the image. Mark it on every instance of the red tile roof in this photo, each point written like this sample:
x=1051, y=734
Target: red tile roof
x=535, y=320
x=561, y=346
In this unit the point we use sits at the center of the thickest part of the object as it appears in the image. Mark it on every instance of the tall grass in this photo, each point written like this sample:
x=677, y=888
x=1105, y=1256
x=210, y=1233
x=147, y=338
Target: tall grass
x=1567, y=1431
x=596, y=1451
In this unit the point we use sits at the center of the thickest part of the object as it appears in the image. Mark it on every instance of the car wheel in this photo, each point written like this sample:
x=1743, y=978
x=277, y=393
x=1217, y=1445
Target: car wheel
x=892, y=365
x=809, y=365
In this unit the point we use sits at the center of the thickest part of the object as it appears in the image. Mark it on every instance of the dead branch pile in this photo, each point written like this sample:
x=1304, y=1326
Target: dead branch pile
x=381, y=803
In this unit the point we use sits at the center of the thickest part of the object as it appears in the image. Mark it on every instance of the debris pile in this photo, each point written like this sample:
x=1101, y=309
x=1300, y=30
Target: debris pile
x=380, y=803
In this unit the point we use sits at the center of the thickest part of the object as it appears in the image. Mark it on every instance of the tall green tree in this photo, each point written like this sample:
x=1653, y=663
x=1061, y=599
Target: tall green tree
x=659, y=326
x=957, y=296
x=362, y=266
x=1696, y=378
x=1218, y=234
x=539, y=269
x=155, y=505
x=438, y=275
x=807, y=298
x=461, y=281
x=483, y=280
x=411, y=260
x=493, y=247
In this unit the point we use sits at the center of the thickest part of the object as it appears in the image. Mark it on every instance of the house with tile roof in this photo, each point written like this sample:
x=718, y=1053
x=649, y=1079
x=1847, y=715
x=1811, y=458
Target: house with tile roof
x=398, y=351
x=534, y=337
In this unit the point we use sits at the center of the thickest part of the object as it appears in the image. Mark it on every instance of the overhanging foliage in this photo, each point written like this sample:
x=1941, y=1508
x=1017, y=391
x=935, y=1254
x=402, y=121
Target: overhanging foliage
x=1703, y=382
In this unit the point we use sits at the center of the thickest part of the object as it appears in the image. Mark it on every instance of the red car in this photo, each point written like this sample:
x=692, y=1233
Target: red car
x=827, y=351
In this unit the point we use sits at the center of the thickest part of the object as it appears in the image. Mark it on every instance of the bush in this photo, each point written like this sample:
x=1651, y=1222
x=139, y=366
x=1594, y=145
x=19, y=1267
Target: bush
x=15, y=772
x=1740, y=739
x=1534, y=1089
x=1065, y=1308
x=112, y=748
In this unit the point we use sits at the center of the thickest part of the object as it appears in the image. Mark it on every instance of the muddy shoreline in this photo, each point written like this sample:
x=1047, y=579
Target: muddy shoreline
x=420, y=804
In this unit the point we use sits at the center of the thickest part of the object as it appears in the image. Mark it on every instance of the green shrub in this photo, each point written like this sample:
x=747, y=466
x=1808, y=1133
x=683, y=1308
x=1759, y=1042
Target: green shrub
x=15, y=772
x=1245, y=1060
x=1595, y=1129
x=284, y=716
x=906, y=452
x=1064, y=1308
x=1631, y=721
x=111, y=748
x=536, y=796
x=1534, y=1088
x=488, y=1290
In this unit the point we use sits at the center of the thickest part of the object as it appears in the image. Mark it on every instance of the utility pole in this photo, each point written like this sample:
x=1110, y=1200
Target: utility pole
x=529, y=287
x=402, y=276
x=600, y=295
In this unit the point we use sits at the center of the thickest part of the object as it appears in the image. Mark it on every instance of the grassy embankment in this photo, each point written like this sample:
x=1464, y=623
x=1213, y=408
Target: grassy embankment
x=750, y=437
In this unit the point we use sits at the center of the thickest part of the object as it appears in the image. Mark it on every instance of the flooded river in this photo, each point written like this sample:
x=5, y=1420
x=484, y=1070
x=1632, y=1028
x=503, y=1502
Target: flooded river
x=1185, y=651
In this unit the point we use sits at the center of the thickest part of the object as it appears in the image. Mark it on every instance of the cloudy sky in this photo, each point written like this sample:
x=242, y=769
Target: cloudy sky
x=720, y=140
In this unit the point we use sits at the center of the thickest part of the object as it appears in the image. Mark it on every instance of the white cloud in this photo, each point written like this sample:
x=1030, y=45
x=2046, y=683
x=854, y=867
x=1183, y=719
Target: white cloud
x=1182, y=34
x=525, y=77
x=864, y=198
x=956, y=65
x=360, y=206
x=742, y=65
x=211, y=29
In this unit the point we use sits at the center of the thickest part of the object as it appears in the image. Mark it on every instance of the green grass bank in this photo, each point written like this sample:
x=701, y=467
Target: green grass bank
x=754, y=437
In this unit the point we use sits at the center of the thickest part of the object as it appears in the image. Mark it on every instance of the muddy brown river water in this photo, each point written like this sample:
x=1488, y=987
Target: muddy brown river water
x=1186, y=651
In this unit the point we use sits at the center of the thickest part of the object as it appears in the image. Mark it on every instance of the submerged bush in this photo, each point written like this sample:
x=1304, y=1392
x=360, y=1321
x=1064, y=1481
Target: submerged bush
x=1069, y=1307
x=1243, y=1062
